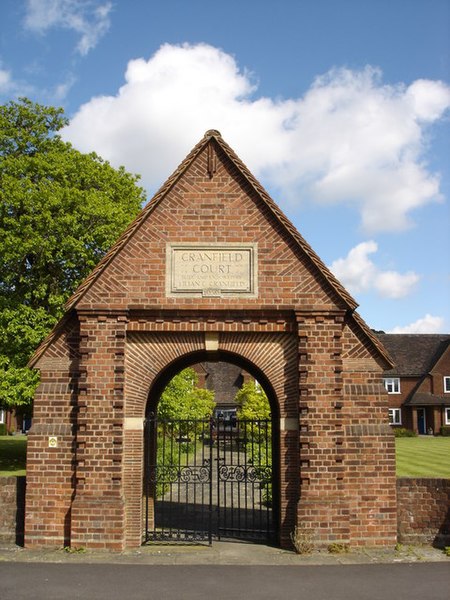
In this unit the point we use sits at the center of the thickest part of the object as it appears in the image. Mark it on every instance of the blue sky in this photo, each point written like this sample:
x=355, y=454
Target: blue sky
x=341, y=108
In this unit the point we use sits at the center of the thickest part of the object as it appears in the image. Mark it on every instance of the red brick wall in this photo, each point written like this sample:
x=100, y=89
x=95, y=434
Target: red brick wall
x=51, y=470
x=12, y=509
x=407, y=384
x=441, y=370
x=423, y=511
x=346, y=447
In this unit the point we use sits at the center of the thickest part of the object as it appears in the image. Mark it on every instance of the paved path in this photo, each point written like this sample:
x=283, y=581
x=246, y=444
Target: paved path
x=44, y=581
x=224, y=553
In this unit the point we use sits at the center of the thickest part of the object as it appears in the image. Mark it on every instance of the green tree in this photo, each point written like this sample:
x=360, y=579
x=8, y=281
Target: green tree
x=182, y=411
x=256, y=429
x=60, y=211
x=252, y=402
x=182, y=399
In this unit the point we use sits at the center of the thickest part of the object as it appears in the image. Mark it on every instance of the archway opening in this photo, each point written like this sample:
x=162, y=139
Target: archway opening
x=211, y=468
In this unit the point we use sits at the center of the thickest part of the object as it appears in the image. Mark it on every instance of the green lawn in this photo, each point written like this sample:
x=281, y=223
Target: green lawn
x=425, y=456
x=416, y=457
x=13, y=451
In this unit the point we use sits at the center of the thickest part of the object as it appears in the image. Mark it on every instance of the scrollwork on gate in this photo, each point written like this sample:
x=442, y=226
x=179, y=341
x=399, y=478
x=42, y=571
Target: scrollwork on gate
x=195, y=474
x=173, y=474
x=164, y=474
x=247, y=473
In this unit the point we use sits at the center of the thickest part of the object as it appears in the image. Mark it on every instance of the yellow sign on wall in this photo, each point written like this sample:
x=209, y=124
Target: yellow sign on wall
x=52, y=441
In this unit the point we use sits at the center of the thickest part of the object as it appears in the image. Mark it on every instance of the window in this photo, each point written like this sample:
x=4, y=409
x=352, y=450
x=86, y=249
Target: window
x=395, y=416
x=447, y=416
x=2, y=416
x=392, y=385
x=447, y=384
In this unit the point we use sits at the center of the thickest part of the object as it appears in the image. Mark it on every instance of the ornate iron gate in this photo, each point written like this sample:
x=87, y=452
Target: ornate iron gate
x=208, y=479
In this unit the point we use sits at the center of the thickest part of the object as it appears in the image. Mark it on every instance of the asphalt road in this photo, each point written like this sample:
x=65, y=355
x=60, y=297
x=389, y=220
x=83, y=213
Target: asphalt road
x=50, y=581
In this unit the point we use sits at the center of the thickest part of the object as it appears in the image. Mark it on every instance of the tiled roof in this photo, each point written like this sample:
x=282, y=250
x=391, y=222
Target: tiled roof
x=428, y=399
x=413, y=354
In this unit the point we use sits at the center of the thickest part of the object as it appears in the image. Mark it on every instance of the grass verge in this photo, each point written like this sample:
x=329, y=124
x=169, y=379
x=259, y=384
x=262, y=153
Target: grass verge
x=13, y=452
x=423, y=456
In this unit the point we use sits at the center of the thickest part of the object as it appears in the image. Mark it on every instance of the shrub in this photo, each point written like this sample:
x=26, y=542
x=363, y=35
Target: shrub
x=445, y=430
x=3, y=429
x=402, y=432
x=336, y=548
x=302, y=539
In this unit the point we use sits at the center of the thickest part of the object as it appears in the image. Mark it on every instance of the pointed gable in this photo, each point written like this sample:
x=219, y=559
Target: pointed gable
x=211, y=198
x=213, y=201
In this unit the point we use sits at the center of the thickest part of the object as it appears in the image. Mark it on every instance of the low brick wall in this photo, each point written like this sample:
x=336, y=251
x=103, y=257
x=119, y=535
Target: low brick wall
x=423, y=511
x=12, y=509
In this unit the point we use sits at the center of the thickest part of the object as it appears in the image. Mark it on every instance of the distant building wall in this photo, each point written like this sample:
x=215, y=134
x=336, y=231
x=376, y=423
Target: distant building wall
x=225, y=380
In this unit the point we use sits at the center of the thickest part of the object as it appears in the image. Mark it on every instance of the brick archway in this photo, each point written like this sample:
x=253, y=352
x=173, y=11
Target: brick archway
x=210, y=267
x=151, y=360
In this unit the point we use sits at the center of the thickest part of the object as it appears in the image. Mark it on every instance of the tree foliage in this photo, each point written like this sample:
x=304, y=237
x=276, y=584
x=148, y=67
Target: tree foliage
x=182, y=399
x=182, y=409
x=60, y=211
x=254, y=408
x=252, y=402
x=21, y=329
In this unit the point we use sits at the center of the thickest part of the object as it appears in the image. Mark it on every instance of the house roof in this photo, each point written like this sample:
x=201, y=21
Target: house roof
x=214, y=137
x=427, y=399
x=413, y=354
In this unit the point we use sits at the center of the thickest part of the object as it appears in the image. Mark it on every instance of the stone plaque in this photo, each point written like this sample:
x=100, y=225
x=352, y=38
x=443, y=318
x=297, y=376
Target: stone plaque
x=212, y=270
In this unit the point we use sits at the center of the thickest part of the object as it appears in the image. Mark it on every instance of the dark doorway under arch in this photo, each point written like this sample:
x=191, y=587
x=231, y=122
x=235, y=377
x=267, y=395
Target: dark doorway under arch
x=211, y=478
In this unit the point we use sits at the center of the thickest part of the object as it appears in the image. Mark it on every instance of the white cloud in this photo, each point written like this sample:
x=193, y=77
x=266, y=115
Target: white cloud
x=13, y=88
x=428, y=324
x=5, y=81
x=10, y=87
x=62, y=89
x=350, y=139
x=88, y=18
x=426, y=103
x=360, y=274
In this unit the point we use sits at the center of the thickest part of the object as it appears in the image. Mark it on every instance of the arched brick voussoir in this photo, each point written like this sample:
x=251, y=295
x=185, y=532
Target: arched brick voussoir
x=149, y=354
x=275, y=355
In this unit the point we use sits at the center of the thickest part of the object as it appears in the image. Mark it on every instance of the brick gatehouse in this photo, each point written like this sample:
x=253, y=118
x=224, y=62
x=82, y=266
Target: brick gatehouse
x=210, y=270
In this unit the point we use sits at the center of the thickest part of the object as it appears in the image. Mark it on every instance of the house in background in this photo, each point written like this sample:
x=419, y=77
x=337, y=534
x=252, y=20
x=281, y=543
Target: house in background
x=13, y=421
x=225, y=380
x=419, y=384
